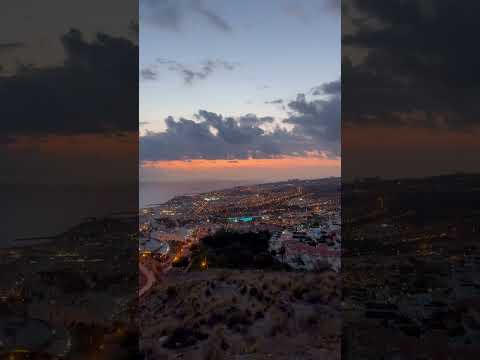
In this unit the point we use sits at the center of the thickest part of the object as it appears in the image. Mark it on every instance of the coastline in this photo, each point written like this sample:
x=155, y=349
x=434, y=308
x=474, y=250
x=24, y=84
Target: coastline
x=156, y=193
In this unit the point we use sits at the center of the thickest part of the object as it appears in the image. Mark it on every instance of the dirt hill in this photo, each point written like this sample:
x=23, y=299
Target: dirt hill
x=219, y=314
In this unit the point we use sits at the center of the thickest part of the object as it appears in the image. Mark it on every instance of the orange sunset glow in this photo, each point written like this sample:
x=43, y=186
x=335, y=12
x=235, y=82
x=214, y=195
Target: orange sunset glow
x=246, y=169
x=251, y=164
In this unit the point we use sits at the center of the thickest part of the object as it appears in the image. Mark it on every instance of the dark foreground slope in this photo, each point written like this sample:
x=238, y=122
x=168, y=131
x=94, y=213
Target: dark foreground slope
x=220, y=314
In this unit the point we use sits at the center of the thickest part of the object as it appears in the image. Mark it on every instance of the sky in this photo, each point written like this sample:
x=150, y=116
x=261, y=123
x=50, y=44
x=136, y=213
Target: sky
x=239, y=90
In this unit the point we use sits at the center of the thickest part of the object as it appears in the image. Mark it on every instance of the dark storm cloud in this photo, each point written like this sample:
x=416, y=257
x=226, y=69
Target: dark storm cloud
x=412, y=57
x=95, y=90
x=215, y=137
x=191, y=75
x=315, y=127
x=172, y=14
x=318, y=120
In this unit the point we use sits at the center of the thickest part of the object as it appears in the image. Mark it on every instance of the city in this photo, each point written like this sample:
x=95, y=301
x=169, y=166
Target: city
x=222, y=267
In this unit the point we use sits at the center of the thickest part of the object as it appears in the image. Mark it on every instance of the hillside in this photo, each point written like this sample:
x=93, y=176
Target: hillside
x=220, y=314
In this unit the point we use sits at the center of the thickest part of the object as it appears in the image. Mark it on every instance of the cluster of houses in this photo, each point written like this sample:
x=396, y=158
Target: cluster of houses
x=310, y=249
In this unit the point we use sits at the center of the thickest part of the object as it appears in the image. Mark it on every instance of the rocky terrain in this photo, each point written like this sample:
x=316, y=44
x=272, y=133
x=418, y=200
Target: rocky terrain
x=220, y=314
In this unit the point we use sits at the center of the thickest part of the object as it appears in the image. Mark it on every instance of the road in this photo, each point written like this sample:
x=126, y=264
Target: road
x=150, y=279
x=153, y=272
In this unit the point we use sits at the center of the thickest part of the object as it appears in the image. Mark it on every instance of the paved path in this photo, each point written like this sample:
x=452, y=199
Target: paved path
x=150, y=279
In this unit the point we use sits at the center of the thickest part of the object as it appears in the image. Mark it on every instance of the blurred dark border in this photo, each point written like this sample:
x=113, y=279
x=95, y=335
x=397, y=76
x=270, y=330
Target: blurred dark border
x=410, y=179
x=69, y=182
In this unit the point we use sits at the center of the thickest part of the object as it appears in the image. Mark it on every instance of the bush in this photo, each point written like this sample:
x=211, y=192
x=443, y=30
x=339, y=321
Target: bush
x=183, y=337
x=230, y=249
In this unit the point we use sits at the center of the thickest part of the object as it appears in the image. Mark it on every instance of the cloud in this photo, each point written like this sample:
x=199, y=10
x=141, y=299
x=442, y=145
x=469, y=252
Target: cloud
x=318, y=120
x=148, y=74
x=172, y=14
x=215, y=137
x=330, y=88
x=393, y=70
x=277, y=101
x=94, y=91
x=251, y=120
x=212, y=17
x=190, y=75
x=315, y=128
